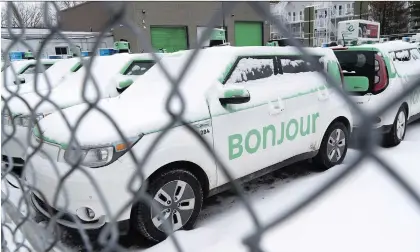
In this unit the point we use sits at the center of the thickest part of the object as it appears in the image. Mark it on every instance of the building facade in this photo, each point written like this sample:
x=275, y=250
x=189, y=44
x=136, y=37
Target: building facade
x=172, y=25
x=56, y=45
x=316, y=21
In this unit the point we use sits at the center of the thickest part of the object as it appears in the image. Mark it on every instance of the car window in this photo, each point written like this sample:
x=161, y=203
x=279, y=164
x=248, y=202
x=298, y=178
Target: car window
x=415, y=54
x=402, y=55
x=31, y=69
x=295, y=64
x=251, y=68
x=138, y=67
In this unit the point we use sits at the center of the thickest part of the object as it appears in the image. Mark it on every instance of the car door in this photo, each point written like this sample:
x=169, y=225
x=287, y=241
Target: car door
x=304, y=95
x=247, y=136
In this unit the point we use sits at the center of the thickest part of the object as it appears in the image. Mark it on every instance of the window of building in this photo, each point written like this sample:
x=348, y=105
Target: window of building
x=290, y=16
x=301, y=15
x=316, y=14
x=340, y=10
x=294, y=16
x=61, y=51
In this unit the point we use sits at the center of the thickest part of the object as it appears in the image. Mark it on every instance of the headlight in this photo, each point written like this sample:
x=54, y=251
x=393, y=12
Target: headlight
x=89, y=157
x=99, y=156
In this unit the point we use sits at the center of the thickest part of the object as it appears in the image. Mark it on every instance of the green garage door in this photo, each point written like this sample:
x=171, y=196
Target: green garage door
x=170, y=38
x=248, y=34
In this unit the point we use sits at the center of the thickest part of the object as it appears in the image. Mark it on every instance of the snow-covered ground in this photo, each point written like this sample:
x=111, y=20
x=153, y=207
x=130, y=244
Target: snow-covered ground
x=368, y=211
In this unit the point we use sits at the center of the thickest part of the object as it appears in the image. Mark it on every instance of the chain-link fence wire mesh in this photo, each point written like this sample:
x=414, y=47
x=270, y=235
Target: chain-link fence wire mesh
x=108, y=238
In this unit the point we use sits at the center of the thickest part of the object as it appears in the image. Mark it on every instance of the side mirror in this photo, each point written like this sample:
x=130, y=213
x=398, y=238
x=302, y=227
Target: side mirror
x=234, y=95
x=125, y=83
x=19, y=80
x=356, y=83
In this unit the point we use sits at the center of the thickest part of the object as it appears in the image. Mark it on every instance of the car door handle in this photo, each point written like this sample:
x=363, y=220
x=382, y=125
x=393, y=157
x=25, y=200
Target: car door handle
x=276, y=107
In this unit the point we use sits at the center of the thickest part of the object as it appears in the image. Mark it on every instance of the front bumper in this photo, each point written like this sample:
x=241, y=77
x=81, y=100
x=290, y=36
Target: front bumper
x=79, y=192
x=17, y=145
x=14, y=150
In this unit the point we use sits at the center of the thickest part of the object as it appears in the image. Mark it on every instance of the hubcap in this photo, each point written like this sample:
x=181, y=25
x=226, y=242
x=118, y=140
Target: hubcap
x=336, y=145
x=400, y=125
x=177, y=200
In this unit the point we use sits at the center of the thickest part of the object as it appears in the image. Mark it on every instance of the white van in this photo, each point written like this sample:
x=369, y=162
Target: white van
x=377, y=72
x=112, y=74
x=24, y=69
x=253, y=106
x=51, y=78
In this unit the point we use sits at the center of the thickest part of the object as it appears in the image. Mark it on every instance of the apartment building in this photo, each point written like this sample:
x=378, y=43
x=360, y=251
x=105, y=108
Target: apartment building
x=315, y=21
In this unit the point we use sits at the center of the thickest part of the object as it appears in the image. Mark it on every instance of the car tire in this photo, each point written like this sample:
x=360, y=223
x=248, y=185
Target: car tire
x=165, y=188
x=333, y=147
x=399, y=127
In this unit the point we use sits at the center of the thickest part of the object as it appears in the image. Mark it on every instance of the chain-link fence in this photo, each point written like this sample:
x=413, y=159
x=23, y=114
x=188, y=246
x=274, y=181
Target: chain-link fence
x=17, y=218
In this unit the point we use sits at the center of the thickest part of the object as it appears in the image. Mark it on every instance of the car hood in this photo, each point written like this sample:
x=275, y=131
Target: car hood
x=95, y=126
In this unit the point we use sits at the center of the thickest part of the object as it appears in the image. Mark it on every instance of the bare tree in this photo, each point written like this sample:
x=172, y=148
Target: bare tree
x=30, y=14
x=393, y=16
x=68, y=4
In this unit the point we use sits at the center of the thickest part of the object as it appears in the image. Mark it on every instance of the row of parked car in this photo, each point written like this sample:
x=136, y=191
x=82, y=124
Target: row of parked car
x=253, y=106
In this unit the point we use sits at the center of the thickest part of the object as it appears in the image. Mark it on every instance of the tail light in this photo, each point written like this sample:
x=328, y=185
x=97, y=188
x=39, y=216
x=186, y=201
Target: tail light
x=381, y=74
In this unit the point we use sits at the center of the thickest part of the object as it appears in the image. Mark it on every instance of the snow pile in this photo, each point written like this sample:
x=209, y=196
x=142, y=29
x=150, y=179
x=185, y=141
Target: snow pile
x=52, y=77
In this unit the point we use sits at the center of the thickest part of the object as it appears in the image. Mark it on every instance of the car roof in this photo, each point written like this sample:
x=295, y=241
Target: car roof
x=389, y=46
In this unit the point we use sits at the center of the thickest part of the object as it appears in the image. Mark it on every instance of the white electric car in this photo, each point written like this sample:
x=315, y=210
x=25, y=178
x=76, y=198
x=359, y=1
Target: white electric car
x=375, y=73
x=253, y=106
x=51, y=78
x=112, y=74
x=23, y=71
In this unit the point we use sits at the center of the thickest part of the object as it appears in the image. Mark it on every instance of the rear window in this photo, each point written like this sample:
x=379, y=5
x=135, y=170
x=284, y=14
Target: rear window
x=358, y=63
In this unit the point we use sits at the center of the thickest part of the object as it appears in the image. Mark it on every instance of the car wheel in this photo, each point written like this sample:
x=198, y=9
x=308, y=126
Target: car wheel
x=333, y=147
x=397, y=133
x=180, y=196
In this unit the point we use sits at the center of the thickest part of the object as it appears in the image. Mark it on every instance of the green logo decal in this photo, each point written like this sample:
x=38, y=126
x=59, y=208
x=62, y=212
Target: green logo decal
x=289, y=131
x=350, y=28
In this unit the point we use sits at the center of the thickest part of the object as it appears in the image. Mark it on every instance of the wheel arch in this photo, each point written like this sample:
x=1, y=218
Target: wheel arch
x=189, y=166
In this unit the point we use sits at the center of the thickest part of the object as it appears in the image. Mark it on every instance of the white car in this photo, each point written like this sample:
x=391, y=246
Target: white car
x=112, y=75
x=51, y=78
x=253, y=106
x=25, y=71
x=377, y=72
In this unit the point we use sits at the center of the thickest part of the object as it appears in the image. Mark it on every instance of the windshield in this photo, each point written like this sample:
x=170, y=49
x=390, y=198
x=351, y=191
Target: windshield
x=358, y=63
x=31, y=69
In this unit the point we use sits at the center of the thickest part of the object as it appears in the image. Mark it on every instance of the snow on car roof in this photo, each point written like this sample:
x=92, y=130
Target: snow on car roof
x=69, y=93
x=142, y=107
x=391, y=46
